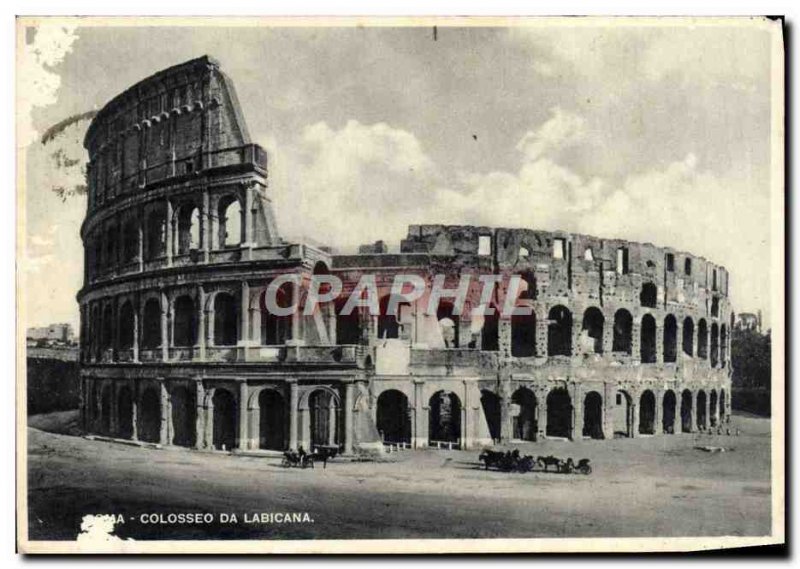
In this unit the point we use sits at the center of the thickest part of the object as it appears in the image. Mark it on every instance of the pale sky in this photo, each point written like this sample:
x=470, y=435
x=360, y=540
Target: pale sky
x=651, y=134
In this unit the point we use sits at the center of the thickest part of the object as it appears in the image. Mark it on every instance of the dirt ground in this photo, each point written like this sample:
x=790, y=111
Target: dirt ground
x=651, y=486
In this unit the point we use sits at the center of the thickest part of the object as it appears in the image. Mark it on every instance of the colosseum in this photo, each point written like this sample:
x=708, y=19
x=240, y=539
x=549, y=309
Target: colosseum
x=624, y=339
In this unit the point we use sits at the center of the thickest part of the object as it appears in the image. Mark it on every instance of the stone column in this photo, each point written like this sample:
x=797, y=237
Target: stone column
x=247, y=216
x=200, y=415
x=134, y=386
x=609, y=400
x=169, y=232
x=576, y=394
x=166, y=414
x=634, y=416
x=205, y=227
x=243, y=439
x=164, y=327
x=244, y=315
x=660, y=341
x=541, y=413
x=466, y=420
x=348, y=417
x=693, y=412
x=208, y=424
x=658, y=423
x=293, y=419
x=140, y=235
x=136, y=329
x=421, y=415
x=707, y=411
x=201, y=323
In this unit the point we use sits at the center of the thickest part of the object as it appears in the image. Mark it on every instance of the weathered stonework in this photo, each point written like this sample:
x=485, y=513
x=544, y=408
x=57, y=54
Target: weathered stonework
x=180, y=244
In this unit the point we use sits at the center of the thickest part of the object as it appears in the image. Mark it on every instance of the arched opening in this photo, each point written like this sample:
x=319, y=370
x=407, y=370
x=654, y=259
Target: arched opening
x=648, y=339
x=670, y=339
x=592, y=330
x=107, y=339
x=491, y=411
x=388, y=324
x=688, y=336
x=105, y=410
x=712, y=408
x=151, y=324
x=393, y=420
x=324, y=409
x=275, y=330
x=722, y=410
x=686, y=411
x=124, y=413
x=593, y=415
x=622, y=414
x=490, y=333
x=668, y=412
x=525, y=423
x=623, y=326
x=225, y=412
x=184, y=413
x=444, y=418
x=188, y=229
x=130, y=241
x=184, y=325
x=449, y=324
x=648, y=297
x=701, y=410
x=126, y=326
x=149, y=415
x=225, y=320
x=559, y=332
x=155, y=235
x=559, y=414
x=714, y=345
x=528, y=288
x=230, y=222
x=348, y=326
x=723, y=345
x=702, y=339
x=523, y=335
x=273, y=420
x=647, y=413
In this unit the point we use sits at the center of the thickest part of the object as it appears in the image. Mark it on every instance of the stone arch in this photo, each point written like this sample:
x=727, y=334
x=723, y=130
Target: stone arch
x=229, y=212
x=702, y=339
x=392, y=417
x=686, y=411
x=670, y=339
x=273, y=420
x=490, y=403
x=723, y=345
x=592, y=329
x=623, y=332
x=523, y=335
x=155, y=234
x=324, y=417
x=647, y=413
x=525, y=422
x=714, y=345
x=226, y=319
x=225, y=423
x=130, y=240
x=184, y=416
x=106, y=402
x=184, y=326
x=348, y=326
x=149, y=415
x=528, y=286
x=275, y=329
x=648, y=297
x=444, y=417
x=622, y=414
x=127, y=325
x=449, y=323
x=559, y=413
x=490, y=332
x=559, y=331
x=593, y=415
x=188, y=228
x=688, y=336
x=151, y=324
x=107, y=337
x=669, y=406
x=124, y=413
x=648, y=339
x=702, y=420
x=712, y=408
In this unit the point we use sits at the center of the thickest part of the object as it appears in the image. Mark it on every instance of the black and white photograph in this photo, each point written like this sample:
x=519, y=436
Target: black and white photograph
x=399, y=285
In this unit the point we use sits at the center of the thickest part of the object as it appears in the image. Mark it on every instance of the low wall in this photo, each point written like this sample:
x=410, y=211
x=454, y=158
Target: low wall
x=53, y=380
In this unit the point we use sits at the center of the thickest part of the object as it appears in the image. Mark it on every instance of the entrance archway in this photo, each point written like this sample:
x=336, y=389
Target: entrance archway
x=393, y=419
x=444, y=417
x=105, y=410
x=686, y=411
x=559, y=414
x=225, y=412
x=150, y=416
x=271, y=420
x=701, y=410
x=668, y=412
x=712, y=408
x=593, y=415
x=184, y=412
x=324, y=420
x=491, y=410
x=622, y=414
x=722, y=409
x=525, y=423
x=647, y=413
x=124, y=413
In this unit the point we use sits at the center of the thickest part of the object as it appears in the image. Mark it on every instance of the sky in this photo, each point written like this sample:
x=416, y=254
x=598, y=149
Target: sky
x=654, y=134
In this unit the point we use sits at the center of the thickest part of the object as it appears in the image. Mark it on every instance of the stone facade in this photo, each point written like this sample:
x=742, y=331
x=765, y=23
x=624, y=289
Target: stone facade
x=624, y=339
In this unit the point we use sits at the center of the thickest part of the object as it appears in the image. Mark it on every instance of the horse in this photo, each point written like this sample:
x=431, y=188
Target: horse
x=546, y=461
x=491, y=458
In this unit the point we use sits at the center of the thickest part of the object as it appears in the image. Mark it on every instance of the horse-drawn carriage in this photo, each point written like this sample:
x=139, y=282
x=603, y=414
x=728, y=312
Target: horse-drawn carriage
x=512, y=461
x=302, y=459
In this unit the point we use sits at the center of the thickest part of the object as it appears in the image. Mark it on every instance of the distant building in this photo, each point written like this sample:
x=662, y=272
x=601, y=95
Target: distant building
x=61, y=332
x=749, y=321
